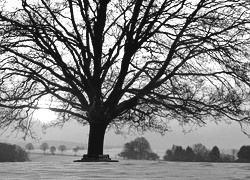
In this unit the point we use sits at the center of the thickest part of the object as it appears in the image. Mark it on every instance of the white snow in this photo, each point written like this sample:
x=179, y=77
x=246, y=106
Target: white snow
x=63, y=167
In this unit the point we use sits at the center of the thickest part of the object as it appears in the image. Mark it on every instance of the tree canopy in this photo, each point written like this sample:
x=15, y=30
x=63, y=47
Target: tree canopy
x=244, y=154
x=129, y=63
x=29, y=146
x=44, y=147
x=52, y=150
x=138, y=149
x=214, y=154
x=201, y=152
x=62, y=148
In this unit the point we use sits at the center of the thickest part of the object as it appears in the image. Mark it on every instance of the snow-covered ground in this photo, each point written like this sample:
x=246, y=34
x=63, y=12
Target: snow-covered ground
x=62, y=167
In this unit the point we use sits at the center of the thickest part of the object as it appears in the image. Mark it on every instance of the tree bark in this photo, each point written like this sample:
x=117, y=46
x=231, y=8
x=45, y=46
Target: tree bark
x=96, y=139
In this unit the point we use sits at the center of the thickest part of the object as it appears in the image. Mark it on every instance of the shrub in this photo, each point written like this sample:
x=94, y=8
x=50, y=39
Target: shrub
x=138, y=149
x=244, y=154
x=12, y=153
x=44, y=147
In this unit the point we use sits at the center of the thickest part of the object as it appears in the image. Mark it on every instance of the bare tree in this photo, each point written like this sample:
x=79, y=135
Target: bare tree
x=44, y=147
x=234, y=153
x=76, y=149
x=62, y=148
x=29, y=146
x=137, y=149
x=201, y=152
x=52, y=150
x=124, y=64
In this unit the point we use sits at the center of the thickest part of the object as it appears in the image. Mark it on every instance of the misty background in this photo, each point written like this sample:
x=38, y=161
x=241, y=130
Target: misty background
x=225, y=136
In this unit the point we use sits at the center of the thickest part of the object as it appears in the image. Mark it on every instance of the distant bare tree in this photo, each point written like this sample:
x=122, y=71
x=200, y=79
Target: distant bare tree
x=62, y=148
x=44, y=147
x=76, y=149
x=201, y=152
x=29, y=146
x=234, y=153
x=131, y=64
x=52, y=150
x=138, y=149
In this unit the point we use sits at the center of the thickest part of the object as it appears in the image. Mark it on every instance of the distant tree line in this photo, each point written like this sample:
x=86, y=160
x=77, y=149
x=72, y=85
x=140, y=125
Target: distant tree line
x=15, y=153
x=138, y=149
x=44, y=147
x=199, y=153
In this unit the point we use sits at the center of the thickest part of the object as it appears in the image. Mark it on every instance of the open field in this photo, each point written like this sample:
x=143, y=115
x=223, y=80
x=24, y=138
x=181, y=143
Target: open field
x=40, y=157
x=62, y=167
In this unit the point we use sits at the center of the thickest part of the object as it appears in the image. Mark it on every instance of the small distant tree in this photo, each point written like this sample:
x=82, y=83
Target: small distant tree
x=44, y=147
x=234, y=152
x=52, y=150
x=81, y=147
x=178, y=153
x=141, y=147
x=169, y=155
x=126, y=151
x=189, y=154
x=76, y=149
x=62, y=148
x=214, y=154
x=201, y=152
x=244, y=154
x=29, y=146
x=153, y=156
x=137, y=149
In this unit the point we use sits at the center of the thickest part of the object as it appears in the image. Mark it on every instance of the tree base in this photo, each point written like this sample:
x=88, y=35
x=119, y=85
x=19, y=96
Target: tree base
x=96, y=158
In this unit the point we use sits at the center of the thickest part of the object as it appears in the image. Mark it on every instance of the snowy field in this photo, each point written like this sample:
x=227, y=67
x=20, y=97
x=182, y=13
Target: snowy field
x=62, y=167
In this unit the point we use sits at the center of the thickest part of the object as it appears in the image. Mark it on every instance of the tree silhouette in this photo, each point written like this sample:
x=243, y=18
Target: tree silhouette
x=62, y=148
x=138, y=149
x=244, y=154
x=126, y=152
x=12, y=153
x=76, y=149
x=201, y=152
x=168, y=155
x=141, y=147
x=124, y=64
x=29, y=146
x=189, y=154
x=234, y=152
x=178, y=153
x=44, y=147
x=52, y=150
x=214, y=154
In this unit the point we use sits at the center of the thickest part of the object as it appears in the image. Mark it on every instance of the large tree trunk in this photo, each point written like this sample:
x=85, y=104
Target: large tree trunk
x=96, y=138
x=95, y=145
